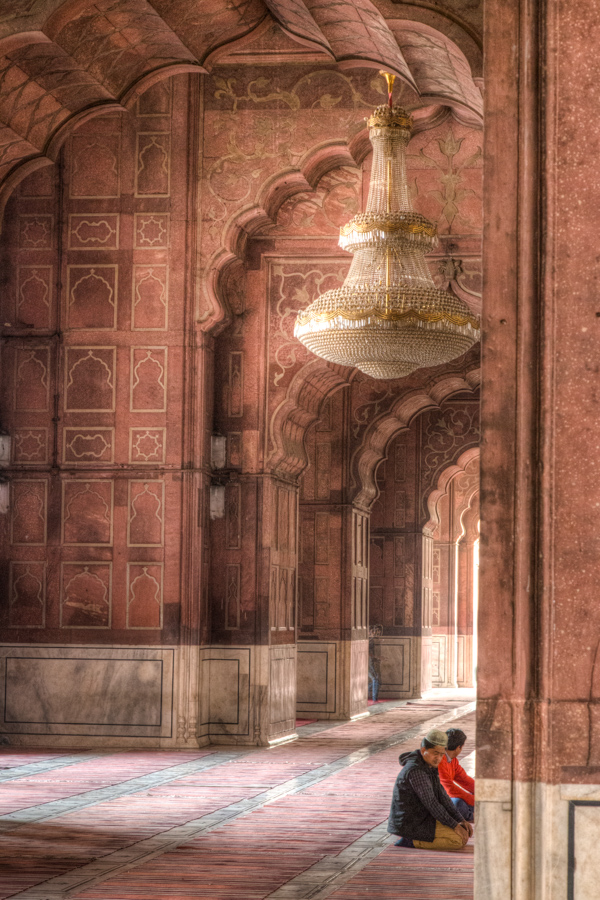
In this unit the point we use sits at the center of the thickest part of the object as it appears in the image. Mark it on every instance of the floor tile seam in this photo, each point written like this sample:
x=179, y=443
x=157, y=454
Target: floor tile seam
x=77, y=802
x=190, y=830
x=62, y=762
x=93, y=756
x=360, y=853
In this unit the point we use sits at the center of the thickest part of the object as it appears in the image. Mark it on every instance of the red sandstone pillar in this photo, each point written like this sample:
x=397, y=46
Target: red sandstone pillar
x=538, y=778
x=401, y=576
x=332, y=666
x=249, y=688
x=333, y=578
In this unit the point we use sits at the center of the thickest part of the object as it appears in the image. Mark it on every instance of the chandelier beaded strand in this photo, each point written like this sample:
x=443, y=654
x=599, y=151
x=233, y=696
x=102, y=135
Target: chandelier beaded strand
x=388, y=318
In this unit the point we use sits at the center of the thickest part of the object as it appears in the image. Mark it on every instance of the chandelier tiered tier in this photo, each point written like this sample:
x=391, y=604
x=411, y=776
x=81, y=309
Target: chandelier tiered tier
x=388, y=318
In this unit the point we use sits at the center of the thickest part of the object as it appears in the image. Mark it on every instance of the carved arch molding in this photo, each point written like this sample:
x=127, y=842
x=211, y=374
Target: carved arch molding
x=315, y=382
x=62, y=63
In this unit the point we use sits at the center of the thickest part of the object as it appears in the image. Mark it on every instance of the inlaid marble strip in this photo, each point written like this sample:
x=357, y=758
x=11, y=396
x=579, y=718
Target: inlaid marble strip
x=55, y=808
x=47, y=765
x=376, y=710
x=317, y=727
x=113, y=864
x=320, y=880
x=326, y=876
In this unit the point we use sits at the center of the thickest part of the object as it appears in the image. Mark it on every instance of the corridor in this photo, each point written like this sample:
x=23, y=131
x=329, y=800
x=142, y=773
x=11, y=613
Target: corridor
x=306, y=819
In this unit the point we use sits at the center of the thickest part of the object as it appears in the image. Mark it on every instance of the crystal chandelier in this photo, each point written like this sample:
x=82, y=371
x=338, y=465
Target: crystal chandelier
x=388, y=318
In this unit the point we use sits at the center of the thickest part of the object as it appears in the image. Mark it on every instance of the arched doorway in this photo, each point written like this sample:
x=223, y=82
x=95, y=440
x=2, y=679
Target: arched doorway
x=429, y=468
x=454, y=531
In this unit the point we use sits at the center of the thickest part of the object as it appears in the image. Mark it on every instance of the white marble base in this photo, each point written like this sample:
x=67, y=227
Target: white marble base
x=526, y=834
x=332, y=679
x=441, y=662
x=69, y=696
x=400, y=665
x=247, y=694
x=464, y=662
x=452, y=661
x=160, y=697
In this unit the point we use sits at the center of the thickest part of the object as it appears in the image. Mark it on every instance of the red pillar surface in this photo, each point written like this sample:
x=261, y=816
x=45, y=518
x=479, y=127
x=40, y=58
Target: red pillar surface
x=538, y=617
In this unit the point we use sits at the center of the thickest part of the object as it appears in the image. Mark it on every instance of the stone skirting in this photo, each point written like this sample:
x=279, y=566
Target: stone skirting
x=70, y=696
x=332, y=679
x=74, y=696
x=400, y=666
x=524, y=827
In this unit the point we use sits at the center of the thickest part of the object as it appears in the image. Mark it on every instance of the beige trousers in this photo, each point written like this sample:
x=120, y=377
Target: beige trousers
x=445, y=839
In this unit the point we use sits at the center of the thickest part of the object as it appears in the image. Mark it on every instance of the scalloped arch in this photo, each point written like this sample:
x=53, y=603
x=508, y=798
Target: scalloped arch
x=308, y=391
x=443, y=485
x=398, y=418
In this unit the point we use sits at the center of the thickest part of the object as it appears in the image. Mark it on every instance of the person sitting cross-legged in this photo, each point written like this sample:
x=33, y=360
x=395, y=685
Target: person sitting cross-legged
x=459, y=786
x=422, y=813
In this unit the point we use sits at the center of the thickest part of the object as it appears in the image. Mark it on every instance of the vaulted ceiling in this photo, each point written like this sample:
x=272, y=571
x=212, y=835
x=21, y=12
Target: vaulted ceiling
x=61, y=62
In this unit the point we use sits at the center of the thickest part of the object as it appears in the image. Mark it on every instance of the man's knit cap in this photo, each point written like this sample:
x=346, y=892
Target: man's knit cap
x=439, y=738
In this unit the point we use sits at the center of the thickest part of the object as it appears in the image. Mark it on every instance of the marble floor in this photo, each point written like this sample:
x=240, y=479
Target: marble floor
x=303, y=820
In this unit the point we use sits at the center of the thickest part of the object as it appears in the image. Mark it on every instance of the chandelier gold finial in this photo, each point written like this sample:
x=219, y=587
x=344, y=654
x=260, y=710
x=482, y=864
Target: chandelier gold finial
x=388, y=318
x=390, y=85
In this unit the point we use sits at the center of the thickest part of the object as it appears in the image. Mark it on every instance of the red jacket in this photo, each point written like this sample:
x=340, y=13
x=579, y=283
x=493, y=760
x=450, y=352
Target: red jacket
x=456, y=781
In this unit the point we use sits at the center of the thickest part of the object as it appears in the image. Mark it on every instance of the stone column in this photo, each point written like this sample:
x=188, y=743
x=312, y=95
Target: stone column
x=538, y=765
x=426, y=610
x=333, y=576
x=443, y=625
x=402, y=601
x=249, y=683
x=464, y=614
x=333, y=647
x=397, y=590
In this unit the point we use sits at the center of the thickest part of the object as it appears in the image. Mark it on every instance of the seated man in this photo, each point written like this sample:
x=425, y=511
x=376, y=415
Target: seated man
x=422, y=812
x=459, y=786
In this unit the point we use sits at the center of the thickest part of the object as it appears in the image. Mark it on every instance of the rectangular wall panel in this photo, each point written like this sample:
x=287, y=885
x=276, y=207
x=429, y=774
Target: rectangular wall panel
x=316, y=674
x=92, y=691
x=225, y=691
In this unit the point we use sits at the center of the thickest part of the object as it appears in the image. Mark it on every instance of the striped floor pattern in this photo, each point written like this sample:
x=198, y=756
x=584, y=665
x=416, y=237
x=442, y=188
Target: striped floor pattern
x=413, y=875
x=301, y=820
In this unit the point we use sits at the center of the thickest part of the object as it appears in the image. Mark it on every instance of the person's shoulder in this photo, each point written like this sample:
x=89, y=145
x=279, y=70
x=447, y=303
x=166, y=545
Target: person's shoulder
x=409, y=757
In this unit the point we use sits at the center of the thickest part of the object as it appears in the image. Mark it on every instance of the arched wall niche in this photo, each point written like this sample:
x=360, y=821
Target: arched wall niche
x=471, y=518
x=310, y=389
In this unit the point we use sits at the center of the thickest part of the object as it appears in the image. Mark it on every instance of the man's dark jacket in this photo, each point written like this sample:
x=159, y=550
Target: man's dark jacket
x=408, y=816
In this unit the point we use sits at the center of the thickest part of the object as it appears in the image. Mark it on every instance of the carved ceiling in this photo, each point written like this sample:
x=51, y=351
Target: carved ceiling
x=62, y=62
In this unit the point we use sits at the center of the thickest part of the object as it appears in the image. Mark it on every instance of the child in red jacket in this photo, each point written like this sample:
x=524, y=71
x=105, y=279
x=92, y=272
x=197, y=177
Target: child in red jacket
x=459, y=786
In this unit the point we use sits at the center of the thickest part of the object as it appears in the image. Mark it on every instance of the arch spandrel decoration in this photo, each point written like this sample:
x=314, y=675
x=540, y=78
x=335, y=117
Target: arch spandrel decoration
x=397, y=415
x=101, y=72
x=466, y=464
x=310, y=388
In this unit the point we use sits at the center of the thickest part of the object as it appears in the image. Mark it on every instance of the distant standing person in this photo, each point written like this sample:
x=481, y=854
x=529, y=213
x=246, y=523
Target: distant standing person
x=459, y=786
x=422, y=813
